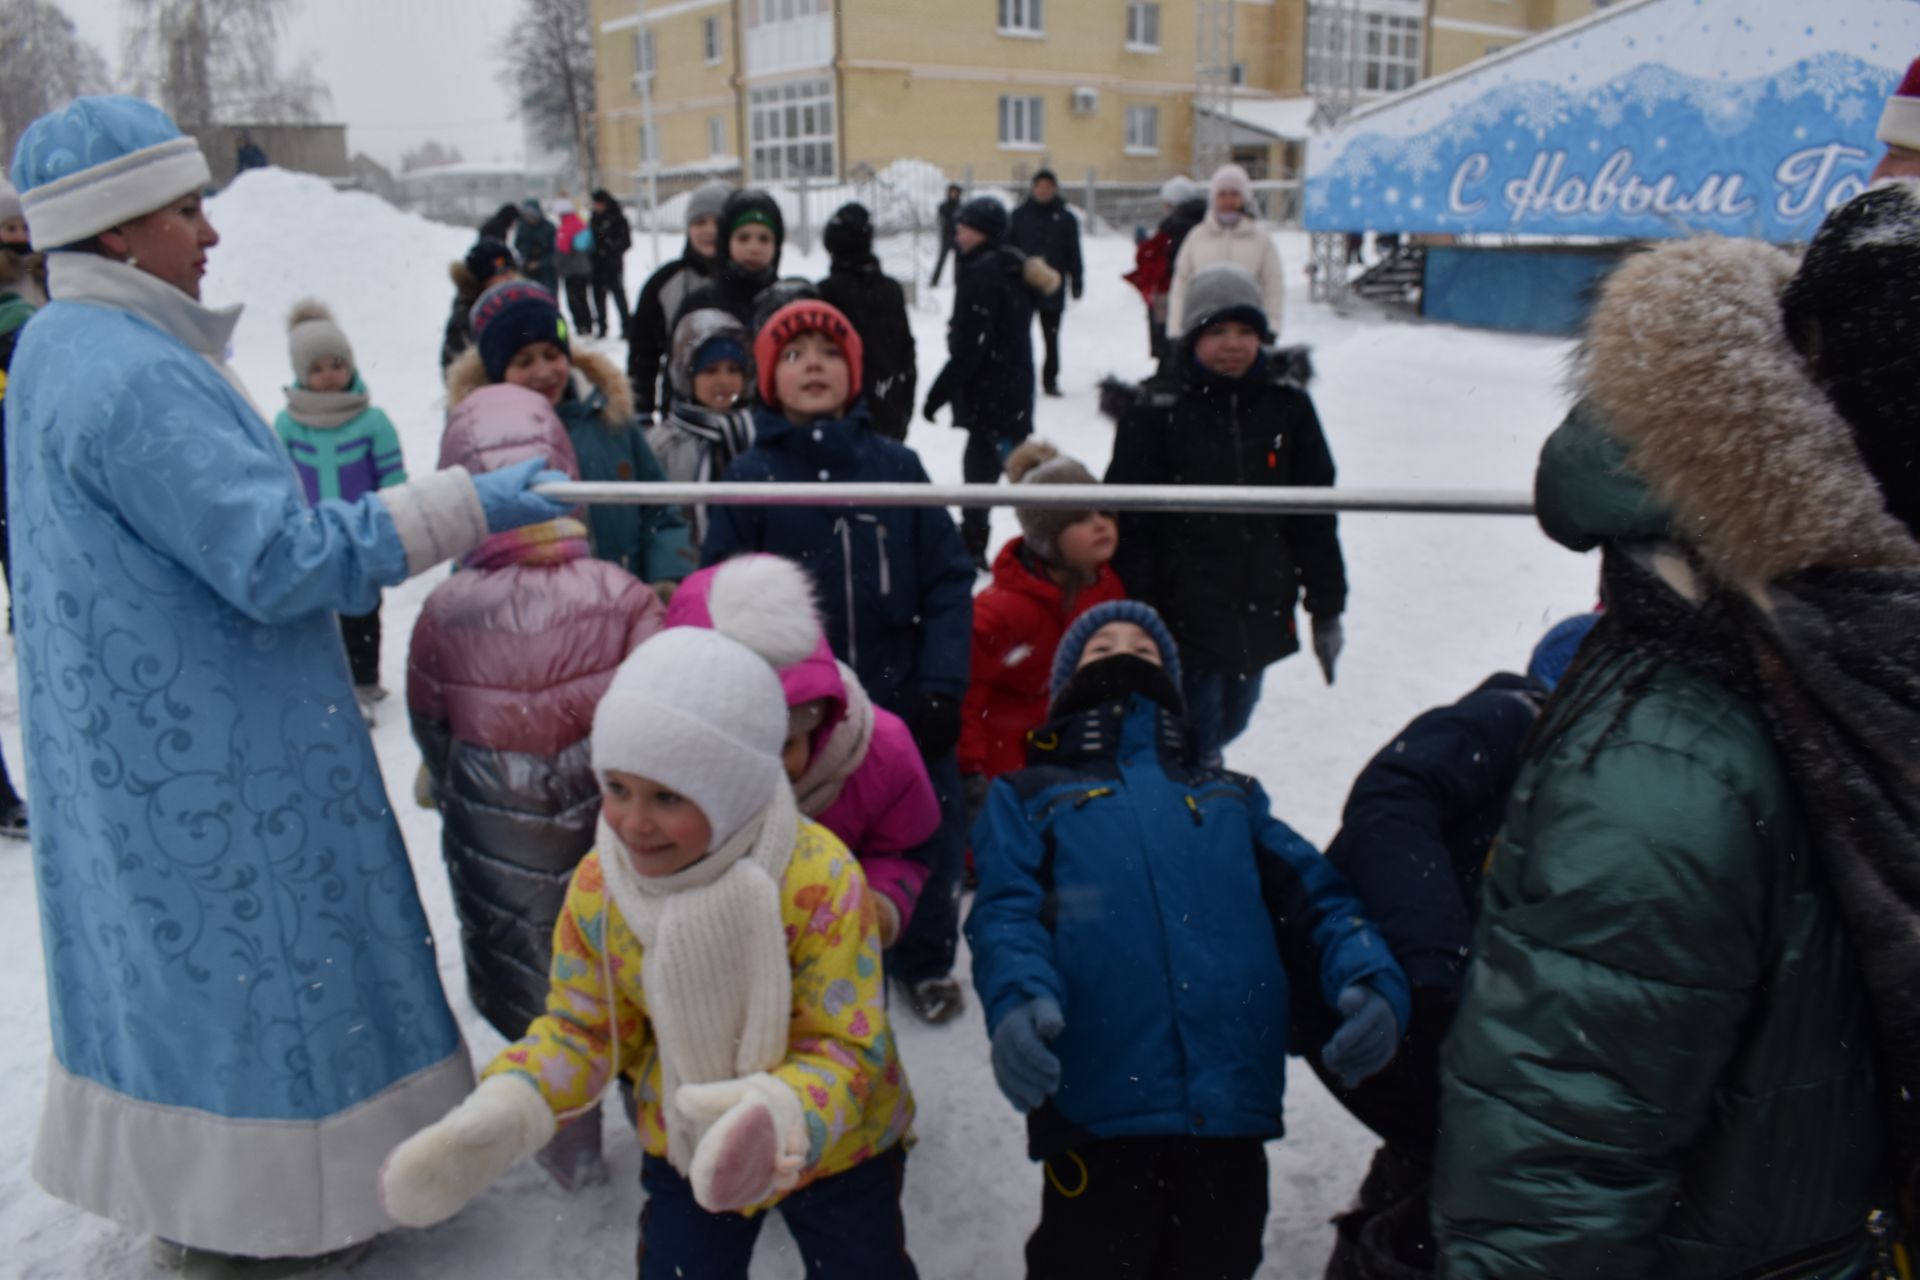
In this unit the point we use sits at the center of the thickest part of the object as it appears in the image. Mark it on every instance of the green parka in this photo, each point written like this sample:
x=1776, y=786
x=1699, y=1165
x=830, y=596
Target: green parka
x=1662, y=1063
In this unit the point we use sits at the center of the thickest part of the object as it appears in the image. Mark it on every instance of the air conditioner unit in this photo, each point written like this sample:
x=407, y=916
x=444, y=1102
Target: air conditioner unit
x=1086, y=101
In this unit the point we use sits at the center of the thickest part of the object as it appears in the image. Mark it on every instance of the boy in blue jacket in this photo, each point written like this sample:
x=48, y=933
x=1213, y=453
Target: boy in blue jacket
x=1133, y=932
x=896, y=587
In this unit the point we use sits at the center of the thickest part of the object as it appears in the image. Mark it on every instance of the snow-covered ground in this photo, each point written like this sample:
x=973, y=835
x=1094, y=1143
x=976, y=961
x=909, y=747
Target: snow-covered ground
x=1437, y=604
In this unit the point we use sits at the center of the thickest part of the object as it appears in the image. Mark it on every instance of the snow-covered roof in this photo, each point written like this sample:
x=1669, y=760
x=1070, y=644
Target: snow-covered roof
x=1289, y=119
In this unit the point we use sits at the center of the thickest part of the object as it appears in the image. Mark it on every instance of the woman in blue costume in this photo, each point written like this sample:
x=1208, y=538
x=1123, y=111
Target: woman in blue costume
x=246, y=1011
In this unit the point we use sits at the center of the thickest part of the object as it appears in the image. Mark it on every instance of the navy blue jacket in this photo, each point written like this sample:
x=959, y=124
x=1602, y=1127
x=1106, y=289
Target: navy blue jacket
x=1050, y=231
x=1421, y=819
x=1163, y=906
x=896, y=586
x=988, y=376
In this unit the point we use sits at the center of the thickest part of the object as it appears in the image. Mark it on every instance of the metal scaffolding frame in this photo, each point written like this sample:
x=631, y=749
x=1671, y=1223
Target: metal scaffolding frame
x=1212, y=85
x=1337, y=92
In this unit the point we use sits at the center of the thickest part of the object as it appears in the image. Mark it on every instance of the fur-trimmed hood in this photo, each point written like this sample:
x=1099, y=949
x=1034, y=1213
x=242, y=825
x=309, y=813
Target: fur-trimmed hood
x=591, y=372
x=1688, y=364
x=1291, y=365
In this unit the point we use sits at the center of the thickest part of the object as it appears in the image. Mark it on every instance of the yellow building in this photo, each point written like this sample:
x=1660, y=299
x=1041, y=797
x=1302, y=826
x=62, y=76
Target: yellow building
x=773, y=90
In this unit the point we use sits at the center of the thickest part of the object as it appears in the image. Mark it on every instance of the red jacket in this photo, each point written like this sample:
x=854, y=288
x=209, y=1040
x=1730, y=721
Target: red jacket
x=1017, y=625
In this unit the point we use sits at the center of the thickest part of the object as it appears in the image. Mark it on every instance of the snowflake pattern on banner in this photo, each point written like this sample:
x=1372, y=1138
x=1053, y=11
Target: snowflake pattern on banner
x=1654, y=153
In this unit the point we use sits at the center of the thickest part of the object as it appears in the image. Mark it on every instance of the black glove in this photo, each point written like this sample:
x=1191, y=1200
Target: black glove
x=1077, y=288
x=934, y=720
x=1329, y=638
x=932, y=411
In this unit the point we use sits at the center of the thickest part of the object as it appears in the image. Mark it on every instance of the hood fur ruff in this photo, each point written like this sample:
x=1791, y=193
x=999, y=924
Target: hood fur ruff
x=467, y=375
x=1688, y=361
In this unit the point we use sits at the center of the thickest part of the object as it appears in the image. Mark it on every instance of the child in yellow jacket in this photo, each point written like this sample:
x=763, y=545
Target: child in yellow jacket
x=723, y=953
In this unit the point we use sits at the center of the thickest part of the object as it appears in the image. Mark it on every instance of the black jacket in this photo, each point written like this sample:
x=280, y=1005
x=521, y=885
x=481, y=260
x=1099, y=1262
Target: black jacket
x=1421, y=819
x=650, y=332
x=949, y=210
x=612, y=237
x=1226, y=584
x=1180, y=220
x=1050, y=231
x=533, y=244
x=988, y=377
x=875, y=305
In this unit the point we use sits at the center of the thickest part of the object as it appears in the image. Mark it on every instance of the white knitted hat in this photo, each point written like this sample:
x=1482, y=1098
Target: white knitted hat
x=702, y=715
x=312, y=332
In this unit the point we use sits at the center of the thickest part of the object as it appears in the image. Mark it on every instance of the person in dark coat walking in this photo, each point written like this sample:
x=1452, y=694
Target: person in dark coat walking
x=1227, y=584
x=612, y=237
x=988, y=376
x=659, y=307
x=1413, y=842
x=488, y=263
x=877, y=306
x=500, y=226
x=747, y=259
x=1044, y=227
x=534, y=243
x=948, y=211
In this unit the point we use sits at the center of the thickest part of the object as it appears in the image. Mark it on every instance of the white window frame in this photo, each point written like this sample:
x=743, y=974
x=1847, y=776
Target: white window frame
x=790, y=130
x=716, y=135
x=1143, y=26
x=768, y=13
x=646, y=54
x=1026, y=19
x=1392, y=38
x=1143, y=129
x=710, y=41
x=1023, y=122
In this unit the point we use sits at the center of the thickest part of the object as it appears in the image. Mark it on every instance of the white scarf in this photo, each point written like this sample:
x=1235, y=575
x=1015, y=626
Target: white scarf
x=844, y=751
x=715, y=971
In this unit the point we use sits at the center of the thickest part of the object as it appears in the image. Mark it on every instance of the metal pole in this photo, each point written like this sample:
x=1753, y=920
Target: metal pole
x=1247, y=500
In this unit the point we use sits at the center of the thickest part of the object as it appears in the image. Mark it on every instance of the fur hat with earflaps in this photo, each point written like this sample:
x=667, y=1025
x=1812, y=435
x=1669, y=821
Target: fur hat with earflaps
x=1038, y=462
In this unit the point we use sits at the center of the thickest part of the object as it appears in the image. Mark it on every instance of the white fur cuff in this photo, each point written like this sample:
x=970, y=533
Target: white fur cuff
x=438, y=517
x=1900, y=123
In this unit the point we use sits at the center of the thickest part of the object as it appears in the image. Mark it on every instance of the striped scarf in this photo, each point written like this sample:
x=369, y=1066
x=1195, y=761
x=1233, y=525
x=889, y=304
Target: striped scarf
x=554, y=542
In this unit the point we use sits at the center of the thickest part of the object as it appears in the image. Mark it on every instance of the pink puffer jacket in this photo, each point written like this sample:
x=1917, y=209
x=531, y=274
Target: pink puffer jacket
x=865, y=780
x=508, y=661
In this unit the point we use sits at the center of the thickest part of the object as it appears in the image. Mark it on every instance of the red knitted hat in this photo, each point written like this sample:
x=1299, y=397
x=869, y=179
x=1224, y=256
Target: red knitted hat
x=809, y=315
x=1900, y=122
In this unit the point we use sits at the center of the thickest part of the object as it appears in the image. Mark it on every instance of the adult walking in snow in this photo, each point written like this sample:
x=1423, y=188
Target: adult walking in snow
x=243, y=990
x=877, y=306
x=573, y=247
x=1044, y=227
x=612, y=237
x=1155, y=255
x=947, y=214
x=1231, y=232
x=535, y=242
x=1687, y=1041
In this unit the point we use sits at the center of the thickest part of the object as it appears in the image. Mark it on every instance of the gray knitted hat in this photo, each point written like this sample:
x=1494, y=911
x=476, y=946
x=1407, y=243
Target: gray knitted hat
x=311, y=334
x=1037, y=462
x=707, y=200
x=1222, y=292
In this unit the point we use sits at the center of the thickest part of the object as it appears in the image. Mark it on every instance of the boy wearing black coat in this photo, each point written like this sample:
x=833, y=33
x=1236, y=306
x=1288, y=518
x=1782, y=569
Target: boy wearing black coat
x=658, y=309
x=877, y=306
x=1229, y=413
x=1044, y=227
x=988, y=377
x=612, y=237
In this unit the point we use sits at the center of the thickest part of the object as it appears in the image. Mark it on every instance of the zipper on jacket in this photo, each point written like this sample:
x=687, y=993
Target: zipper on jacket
x=841, y=527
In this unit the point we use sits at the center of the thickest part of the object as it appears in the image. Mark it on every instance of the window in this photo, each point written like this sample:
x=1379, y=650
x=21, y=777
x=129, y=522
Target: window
x=1143, y=25
x=791, y=127
x=716, y=136
x=643, y=54
x=1023, y=122
x=1377, y=49
x=765, y=13
x=1143, y=130
x=710, y=39
x=1023, y=18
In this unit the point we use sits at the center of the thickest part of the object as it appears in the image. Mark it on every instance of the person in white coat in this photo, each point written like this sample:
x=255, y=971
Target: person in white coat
x=1231, y=232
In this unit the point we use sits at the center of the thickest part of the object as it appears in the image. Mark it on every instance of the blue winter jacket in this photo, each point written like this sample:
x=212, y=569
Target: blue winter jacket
x=1421, y=819
x=1163, y=906
x=896, y=586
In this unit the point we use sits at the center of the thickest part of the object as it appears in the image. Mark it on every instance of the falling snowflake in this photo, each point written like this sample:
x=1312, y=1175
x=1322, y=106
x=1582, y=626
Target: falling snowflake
x=1830, y=75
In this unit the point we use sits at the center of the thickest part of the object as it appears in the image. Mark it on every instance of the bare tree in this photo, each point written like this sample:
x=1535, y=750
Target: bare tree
x=428, y=155
x=217, y=62
x=548, y=65
x=43, y=63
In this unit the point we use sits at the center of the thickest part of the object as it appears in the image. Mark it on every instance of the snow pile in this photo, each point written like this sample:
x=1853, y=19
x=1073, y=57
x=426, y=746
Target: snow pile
x=1437, y=604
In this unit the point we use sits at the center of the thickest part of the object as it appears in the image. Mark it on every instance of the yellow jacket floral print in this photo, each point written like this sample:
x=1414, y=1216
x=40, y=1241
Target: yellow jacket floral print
x=841, y=1058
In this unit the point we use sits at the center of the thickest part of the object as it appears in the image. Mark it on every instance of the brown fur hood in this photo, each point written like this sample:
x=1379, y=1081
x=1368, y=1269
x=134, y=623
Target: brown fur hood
x=591, y=372
x=1687, y=360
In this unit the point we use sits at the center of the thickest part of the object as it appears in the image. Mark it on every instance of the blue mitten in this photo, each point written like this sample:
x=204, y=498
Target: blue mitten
x=1367, y=1037
x=508, y=498
x=1025, y=1069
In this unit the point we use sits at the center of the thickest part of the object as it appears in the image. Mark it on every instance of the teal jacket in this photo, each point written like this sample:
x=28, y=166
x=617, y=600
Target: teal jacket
x=345, y=461
x=1662, y=1062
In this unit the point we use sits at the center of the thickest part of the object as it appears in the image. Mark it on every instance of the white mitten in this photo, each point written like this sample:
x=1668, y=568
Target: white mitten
x=755, y=1144
x=430, y=1176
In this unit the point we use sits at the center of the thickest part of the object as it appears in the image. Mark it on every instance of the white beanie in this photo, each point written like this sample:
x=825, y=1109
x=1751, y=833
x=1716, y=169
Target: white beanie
x=702, y=715
x=312, y=333
x=10, y=206
x=1178, y=189
x=1231, y=177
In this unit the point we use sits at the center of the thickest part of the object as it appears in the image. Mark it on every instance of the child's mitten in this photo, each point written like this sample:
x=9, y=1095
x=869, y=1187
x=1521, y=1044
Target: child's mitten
x=431, y=1175
x=755, y=1144
x=1367, y=1037
x=1025, y=1069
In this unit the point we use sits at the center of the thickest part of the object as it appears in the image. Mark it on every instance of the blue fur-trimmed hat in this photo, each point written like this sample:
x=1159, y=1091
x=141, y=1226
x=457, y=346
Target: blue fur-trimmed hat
x=98, y=162
x=1066, y=659
x=1555, y=652
x=512, y=315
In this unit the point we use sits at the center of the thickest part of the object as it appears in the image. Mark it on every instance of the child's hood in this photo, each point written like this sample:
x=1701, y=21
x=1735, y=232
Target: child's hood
x=500, y=425
x=767, y=603
x=694, y=331
x=467, y=375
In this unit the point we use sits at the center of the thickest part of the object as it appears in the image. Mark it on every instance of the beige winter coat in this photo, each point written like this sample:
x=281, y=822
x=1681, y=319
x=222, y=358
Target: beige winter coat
x=1249, y=244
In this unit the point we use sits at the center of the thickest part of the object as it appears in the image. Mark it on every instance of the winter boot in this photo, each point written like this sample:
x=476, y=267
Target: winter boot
x=205, y=1264
x=936, y=1000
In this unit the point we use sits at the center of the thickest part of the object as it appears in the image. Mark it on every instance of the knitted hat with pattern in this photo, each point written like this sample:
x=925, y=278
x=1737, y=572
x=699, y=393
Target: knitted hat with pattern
x=810, y=315
x=512, y=315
